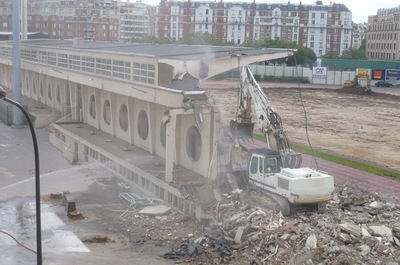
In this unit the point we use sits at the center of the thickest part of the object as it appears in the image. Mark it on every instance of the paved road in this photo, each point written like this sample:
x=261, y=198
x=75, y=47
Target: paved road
x=61, y=243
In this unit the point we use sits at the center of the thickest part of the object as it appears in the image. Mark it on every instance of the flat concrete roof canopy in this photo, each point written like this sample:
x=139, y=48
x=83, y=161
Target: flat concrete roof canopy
x=199, y=61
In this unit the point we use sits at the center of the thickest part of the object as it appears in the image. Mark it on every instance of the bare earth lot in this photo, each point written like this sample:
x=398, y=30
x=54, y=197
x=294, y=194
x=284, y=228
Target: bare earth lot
x=349, y=123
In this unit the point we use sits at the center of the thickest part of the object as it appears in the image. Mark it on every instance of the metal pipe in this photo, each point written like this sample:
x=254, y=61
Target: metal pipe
x=37, y=176
x=16, y=64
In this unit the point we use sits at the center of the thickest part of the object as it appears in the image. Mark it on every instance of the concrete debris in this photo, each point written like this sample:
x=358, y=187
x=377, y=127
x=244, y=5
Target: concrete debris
x=156, y=210
x=55, y=195
x=357, y=228
x=311, y=242
x=96, y=239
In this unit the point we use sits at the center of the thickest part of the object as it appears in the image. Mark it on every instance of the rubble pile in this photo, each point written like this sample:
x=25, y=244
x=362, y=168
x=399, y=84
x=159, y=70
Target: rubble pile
x=358, y=228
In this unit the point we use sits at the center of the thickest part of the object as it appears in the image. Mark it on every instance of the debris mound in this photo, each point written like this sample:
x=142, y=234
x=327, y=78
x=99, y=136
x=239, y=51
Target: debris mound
x=355, y=90
x=357, y=228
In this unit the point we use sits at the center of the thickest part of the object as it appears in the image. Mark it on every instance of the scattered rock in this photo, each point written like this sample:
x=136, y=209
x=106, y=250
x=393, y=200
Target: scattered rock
x=358, y=227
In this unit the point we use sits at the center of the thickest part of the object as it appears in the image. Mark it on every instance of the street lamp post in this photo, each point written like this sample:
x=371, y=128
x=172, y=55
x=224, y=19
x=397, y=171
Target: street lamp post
x=37, y=175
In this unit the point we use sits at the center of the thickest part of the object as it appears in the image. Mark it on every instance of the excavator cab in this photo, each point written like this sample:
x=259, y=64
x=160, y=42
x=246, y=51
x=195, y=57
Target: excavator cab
x=264, y=161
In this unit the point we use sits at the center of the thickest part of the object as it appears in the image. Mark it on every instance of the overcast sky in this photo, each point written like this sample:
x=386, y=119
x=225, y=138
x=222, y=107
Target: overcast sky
x=360, y=9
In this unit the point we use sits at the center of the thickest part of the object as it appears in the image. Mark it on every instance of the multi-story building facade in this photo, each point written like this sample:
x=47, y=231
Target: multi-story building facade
x=323, y=28
x=137, y=20
x=359, y=34
x=383, y=35
x=320, y=27
x=96, y=20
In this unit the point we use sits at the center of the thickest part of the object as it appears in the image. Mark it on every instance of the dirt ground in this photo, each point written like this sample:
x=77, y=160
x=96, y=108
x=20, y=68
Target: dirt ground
x=346, y=122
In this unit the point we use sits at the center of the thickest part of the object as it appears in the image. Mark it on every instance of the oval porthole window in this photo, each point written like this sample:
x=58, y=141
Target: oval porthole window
x=92, y=107
x=193, y=143
x=163, y=134
x=41, y=88
x=107, y=112
x=58, y=94
x=143, y=125
x=27, y=85
x=123, y=117
x=49, y=92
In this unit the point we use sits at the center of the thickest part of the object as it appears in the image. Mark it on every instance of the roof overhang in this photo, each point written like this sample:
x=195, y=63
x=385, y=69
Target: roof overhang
x=209, y=67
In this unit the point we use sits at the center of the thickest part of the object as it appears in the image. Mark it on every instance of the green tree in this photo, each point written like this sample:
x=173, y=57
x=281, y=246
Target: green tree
x=331, y=55
x=363, y=44
x=303, y=55
x=152, y=39
x=356, y=54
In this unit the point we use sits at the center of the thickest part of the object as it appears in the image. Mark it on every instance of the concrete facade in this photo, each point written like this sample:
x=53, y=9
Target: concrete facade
x=383, y=35
x=322, y=28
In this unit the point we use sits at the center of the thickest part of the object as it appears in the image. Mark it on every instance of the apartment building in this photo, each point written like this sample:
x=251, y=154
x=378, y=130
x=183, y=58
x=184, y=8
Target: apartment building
x=137, y=20
x=95, y=20
x=383, y=35
x=320, y=27
x=359, y=34
x=323, y=28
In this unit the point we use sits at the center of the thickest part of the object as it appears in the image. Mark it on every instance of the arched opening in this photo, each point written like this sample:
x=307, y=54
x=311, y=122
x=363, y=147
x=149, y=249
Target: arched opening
x=123, y=117
x=163, y=134
x=58, y=94
x=107, y=112
x=41, y=88
x=92, y=107
x=49, y=92
x=193, y=143
x=143, y=125
x=34, y=86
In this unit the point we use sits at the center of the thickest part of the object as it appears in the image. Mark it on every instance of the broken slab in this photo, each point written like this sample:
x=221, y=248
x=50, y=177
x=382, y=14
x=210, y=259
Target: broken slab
x=311, y=242
x=382, y=231
x=241, y=233
x=155, y=210
x=351, y=229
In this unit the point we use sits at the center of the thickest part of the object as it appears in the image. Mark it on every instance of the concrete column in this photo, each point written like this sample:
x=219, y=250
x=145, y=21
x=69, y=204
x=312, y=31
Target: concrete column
x=16, y=82
x=151, y=121
x=170, y=146
x=24, y=19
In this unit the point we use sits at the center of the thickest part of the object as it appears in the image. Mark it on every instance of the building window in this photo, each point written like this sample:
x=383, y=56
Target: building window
x=143, y=125
x=107, y=112
x=58, y=94
x=123, y=117
x=49, y=92
x=193, y=143
x=92, y=107
x=27, y=85
x=163, y=134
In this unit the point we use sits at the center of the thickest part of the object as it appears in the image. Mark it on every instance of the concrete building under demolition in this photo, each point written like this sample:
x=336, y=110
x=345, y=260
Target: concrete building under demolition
x=139, y=110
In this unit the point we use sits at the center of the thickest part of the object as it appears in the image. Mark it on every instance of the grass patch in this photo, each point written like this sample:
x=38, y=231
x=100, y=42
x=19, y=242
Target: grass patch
x=342, y=160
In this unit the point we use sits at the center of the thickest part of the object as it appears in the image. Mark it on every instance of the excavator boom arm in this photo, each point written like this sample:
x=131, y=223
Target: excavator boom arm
x=269, y=120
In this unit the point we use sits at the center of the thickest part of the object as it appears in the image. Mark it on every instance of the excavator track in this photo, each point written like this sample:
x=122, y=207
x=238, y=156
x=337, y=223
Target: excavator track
x=263, y=198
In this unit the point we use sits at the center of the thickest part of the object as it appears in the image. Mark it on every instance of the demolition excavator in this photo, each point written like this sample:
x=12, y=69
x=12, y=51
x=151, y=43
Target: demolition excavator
x=272, y=171
x=355, y=83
